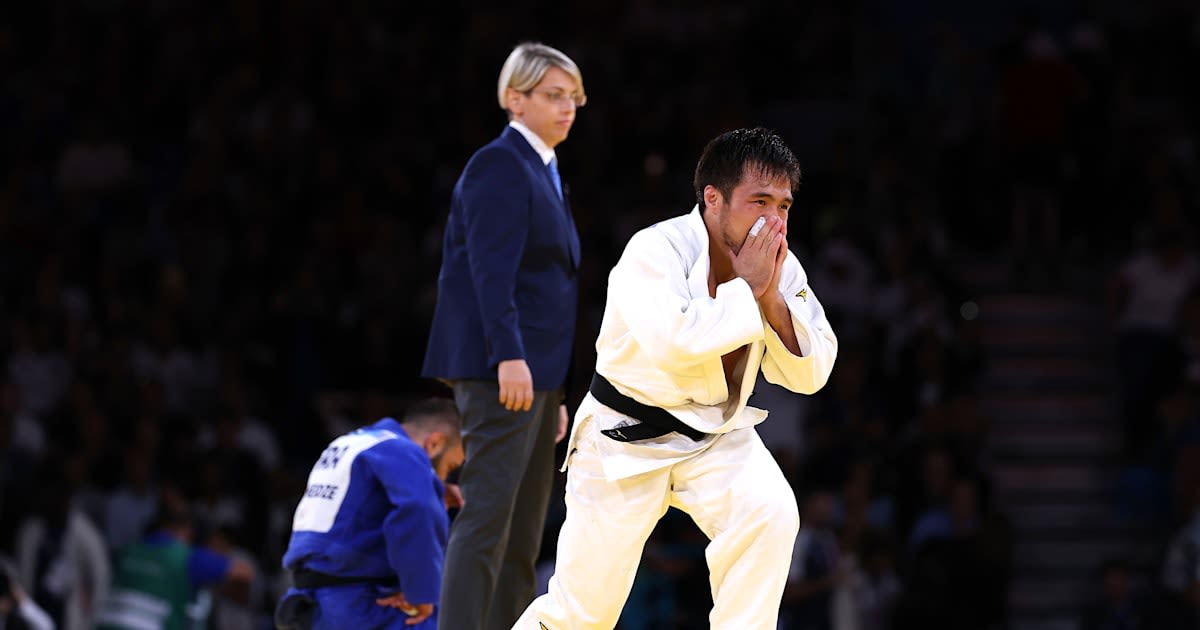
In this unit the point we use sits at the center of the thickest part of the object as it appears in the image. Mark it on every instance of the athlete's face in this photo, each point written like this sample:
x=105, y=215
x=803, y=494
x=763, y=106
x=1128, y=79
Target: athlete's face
x=757, y=195
x=446, y=454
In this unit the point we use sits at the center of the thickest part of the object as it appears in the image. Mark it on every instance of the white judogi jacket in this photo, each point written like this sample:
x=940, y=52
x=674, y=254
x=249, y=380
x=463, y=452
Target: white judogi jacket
x=662, y=339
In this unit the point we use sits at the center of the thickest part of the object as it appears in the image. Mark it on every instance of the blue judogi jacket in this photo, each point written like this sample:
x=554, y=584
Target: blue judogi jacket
x=374, y=507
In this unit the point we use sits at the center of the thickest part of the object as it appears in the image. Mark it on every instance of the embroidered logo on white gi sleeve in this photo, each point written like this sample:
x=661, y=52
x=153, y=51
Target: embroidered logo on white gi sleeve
x=803, y=294
x=329, y=480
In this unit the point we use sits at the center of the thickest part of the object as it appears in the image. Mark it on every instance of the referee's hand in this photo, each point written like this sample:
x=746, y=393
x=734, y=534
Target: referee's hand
x=516, y=385
x=563, y=420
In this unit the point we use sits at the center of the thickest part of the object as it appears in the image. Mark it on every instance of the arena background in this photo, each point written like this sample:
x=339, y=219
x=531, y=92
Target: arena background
x=220, y=226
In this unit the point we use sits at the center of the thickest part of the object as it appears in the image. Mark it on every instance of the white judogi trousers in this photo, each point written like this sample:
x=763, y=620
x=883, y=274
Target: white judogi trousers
x=734, y=491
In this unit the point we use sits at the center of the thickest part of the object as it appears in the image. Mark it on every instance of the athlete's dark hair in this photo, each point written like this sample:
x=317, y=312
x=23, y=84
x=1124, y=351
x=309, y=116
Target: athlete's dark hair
x=732, y=154
x=434, y=414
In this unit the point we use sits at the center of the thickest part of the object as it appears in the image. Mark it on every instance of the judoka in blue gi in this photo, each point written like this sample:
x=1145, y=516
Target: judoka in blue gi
x=369, y=535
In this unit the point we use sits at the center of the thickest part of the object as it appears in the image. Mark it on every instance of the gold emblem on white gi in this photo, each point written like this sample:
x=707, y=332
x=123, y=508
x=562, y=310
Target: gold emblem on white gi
x=754, y=229
x=802, y=294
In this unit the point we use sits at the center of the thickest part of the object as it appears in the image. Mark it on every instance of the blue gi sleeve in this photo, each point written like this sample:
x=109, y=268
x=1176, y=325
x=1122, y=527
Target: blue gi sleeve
x=206, y=567
x=415, y=529
x=496, y=210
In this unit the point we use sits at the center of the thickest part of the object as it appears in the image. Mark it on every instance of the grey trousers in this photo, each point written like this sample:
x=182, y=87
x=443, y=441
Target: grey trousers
x=506, y=478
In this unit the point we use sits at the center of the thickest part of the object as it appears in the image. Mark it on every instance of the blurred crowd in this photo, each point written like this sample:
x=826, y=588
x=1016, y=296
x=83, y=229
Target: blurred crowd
x=220, y=226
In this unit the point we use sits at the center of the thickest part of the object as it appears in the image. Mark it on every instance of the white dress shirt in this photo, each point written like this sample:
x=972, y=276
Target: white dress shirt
x=662, y=338
x=543, y=150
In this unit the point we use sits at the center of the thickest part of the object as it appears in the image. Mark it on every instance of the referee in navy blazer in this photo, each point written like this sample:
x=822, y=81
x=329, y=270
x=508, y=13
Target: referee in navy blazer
x=502, y=336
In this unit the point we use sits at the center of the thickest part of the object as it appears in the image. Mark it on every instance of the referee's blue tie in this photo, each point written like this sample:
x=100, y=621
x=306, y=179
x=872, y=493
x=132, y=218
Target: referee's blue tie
x=554, y=176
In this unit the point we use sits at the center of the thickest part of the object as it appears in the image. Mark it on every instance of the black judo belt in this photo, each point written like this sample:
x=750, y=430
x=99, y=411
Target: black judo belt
x=655, y=421
x=303, y=578
x=296, y=611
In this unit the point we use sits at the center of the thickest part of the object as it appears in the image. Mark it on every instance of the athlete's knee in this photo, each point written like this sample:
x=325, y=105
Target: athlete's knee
x=787, y=516
x=773, y=513
x=781, y=515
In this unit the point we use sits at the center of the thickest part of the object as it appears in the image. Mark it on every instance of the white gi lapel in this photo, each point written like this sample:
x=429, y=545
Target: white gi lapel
x=741, y=416
x=750, y=416
x=698, y=243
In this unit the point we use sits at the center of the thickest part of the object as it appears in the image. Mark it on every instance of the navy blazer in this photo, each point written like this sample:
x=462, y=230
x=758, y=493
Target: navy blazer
x=507, y=288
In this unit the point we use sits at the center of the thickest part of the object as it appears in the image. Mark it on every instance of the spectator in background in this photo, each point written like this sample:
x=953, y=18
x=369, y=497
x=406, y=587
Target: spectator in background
x=62, y=555
x=159, y=578
x=503, y=334
x=237, y=604
x=1119, y=606
x=225, y=499
x=18, y=611
x=863, y=499
x=132, y=506
x=961, y=565
x=1181, y=565
x=1189, y=333
x=96, y=164
x=1174, y=468
x=865, y=598
x=249, y=432
x=654, y=600
x=1035, y=95
x=18, y=462
x=1144, y=298
x=24, y=430
x=38, y=368
x=844, y=272
x=958, y=517
x=817, y=569
x=927, y=476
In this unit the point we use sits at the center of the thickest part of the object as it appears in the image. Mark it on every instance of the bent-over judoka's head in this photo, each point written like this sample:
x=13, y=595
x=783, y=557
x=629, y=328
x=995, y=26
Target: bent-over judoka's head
x=541, y=88
x=743, y=175
x=437, y=427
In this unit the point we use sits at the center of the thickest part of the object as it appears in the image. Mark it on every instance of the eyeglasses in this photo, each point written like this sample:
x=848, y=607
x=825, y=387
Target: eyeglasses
x=559, y=98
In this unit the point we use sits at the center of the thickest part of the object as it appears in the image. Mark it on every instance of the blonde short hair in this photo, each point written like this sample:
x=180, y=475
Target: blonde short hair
x=527, y=65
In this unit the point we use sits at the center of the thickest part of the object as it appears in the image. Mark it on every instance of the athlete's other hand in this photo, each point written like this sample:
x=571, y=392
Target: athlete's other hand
x=416, y=612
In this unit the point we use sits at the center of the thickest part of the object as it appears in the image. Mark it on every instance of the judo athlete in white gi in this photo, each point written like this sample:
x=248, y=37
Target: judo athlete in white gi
x=369, y=535
x=696, y=305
